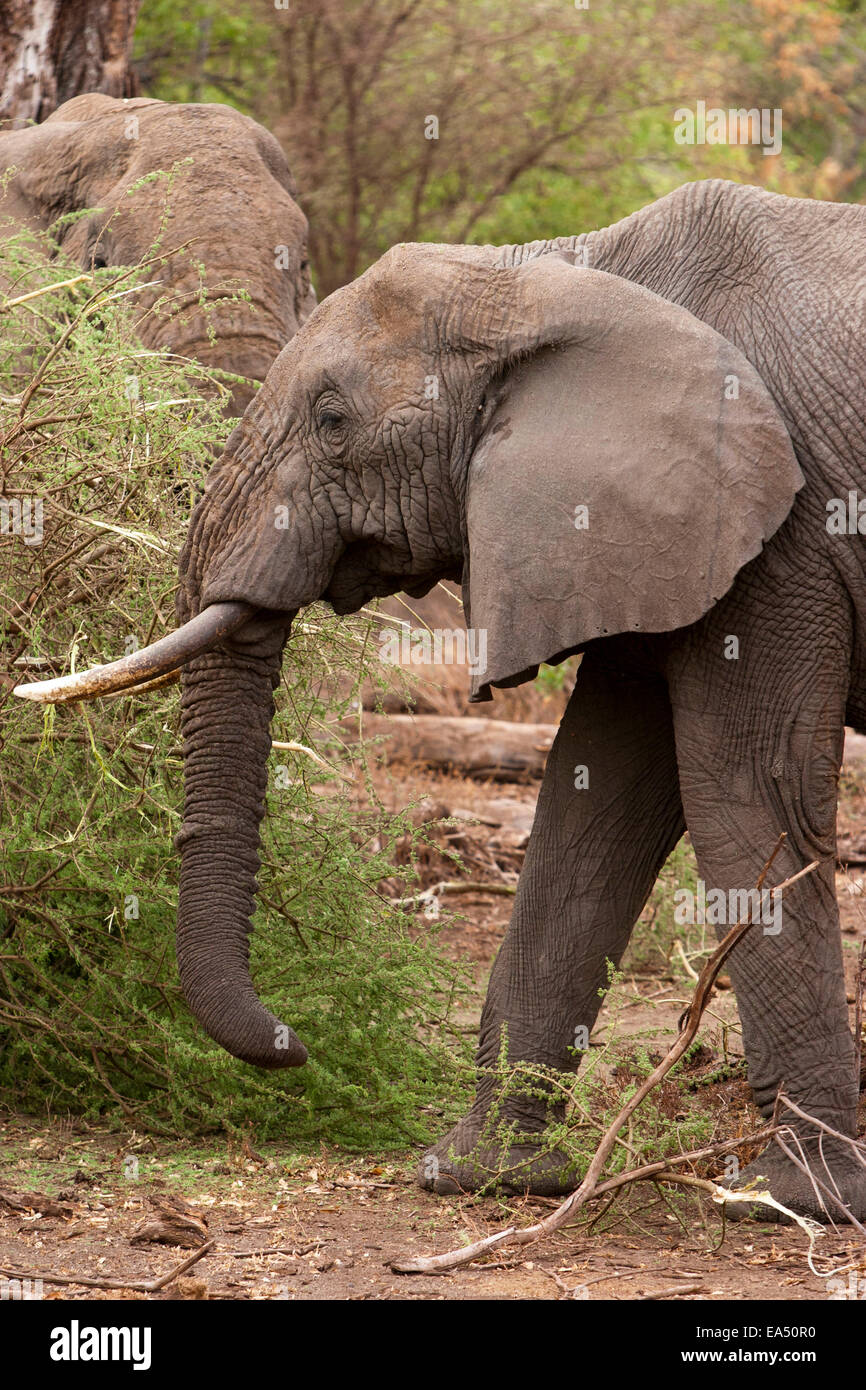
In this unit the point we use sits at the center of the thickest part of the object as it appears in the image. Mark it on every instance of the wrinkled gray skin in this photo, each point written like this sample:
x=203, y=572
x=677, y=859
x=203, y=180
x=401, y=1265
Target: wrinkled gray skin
x=234, y=203
x=560, y=385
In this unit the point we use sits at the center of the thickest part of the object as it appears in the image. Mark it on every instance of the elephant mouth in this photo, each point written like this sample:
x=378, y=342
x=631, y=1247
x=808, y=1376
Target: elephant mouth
x=157, y=664
x=366, y=572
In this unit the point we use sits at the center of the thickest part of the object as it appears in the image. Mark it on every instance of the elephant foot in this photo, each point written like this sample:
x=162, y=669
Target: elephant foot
x=464, y=1161
x=774, y=1173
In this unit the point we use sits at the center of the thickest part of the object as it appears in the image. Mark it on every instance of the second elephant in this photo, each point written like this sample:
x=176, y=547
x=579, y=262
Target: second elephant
x=230, y=207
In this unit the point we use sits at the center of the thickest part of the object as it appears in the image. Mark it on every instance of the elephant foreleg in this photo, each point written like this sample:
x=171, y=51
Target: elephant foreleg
x=608, y=815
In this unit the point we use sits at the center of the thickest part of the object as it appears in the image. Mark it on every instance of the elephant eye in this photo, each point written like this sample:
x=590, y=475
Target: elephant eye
x=331, y=420
x=98, y=259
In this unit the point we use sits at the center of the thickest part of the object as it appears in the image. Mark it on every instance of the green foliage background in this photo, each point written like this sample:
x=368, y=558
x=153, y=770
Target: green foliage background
x=553, y=119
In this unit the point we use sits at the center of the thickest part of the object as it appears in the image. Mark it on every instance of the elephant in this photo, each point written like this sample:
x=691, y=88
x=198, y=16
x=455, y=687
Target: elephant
x=231, y=206
x=631, y=444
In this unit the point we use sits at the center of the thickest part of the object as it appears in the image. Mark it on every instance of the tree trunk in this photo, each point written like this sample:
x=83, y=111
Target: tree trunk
x=52, y=50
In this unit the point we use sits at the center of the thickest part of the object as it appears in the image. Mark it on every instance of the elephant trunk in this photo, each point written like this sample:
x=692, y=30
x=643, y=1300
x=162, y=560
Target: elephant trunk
x=226, y=711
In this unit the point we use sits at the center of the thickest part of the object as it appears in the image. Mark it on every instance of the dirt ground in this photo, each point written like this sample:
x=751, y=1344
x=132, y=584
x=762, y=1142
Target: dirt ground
x=78, y=1203
x=329, y=1230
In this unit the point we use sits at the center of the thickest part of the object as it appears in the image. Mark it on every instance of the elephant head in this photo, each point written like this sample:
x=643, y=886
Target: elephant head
x=589, y=458
x=231, y=206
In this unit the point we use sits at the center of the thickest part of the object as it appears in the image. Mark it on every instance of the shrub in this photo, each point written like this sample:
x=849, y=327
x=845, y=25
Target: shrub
x=104, y=448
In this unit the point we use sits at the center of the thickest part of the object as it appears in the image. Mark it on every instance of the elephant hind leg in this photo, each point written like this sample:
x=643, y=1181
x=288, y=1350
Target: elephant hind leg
x=608, y=815
x=759, y=744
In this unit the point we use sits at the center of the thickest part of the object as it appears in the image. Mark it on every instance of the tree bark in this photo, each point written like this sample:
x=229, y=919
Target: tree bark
x=52, y=50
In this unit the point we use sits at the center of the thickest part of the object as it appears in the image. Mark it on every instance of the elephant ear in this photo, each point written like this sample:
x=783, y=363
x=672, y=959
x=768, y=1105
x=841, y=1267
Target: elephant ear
x=634, y=463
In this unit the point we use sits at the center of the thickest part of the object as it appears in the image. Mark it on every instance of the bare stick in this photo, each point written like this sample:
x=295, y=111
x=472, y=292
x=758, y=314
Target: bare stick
x=670, y=1293
x=46, y=289
x=746, y=1194
x=430, y=895
x=138, y=1286
x=858, y=1013
x=856, y=1145
x=275, y=1250
x=689, y=1024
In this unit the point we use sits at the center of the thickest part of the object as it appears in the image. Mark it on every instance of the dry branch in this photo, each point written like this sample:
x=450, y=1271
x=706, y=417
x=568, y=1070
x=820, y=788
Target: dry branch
x=429, y=896
x=137, y=1285
x=689, y=1024
x=858, y=1015
x=670, y=1293
x=274, y=1250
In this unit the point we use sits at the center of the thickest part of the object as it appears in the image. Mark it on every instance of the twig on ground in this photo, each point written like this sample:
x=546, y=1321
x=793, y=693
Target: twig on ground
x=858, y=1013
x=137, y=1285
x=430, y=895
x=552, y=1274
x=603, y=1279
x=689, y=1024
x=669, y=1293
x=274, y=1250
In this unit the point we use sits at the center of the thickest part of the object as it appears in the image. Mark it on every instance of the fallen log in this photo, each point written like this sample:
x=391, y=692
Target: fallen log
x=493, y=748
x=500, y=749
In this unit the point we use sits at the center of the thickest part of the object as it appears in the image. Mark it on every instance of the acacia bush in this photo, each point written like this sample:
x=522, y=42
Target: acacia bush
x=103, y=449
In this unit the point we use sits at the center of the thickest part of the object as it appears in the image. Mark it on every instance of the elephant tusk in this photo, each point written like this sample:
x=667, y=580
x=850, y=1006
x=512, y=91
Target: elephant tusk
x=148, y=667
x=170, y=678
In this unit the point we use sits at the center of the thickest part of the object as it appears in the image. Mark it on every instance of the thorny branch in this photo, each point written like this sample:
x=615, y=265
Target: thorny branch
x=590, y=1187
